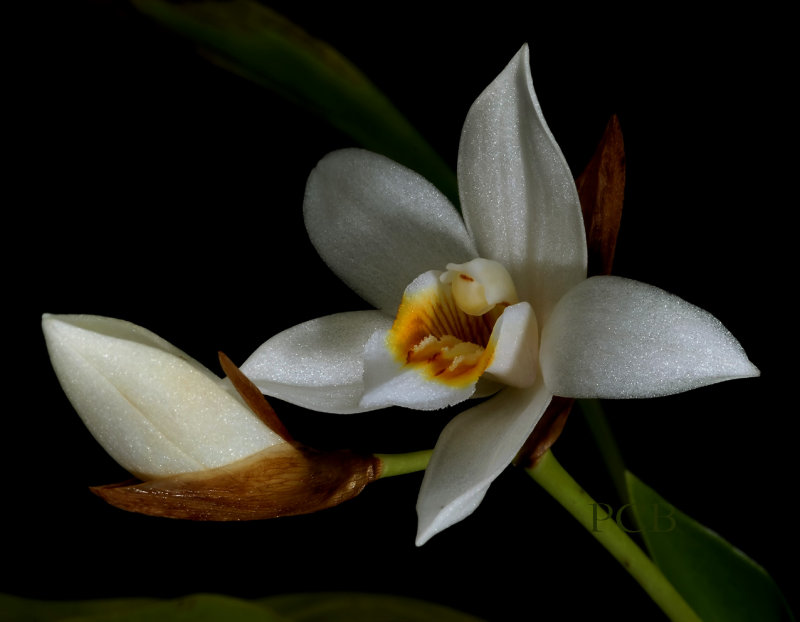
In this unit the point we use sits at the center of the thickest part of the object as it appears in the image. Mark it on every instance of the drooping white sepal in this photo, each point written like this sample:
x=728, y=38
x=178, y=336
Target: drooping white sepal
x=473, y=449
x=611, y=337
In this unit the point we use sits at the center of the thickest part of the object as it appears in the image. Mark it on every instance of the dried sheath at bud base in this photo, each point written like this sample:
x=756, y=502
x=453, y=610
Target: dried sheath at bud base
x=280, y=481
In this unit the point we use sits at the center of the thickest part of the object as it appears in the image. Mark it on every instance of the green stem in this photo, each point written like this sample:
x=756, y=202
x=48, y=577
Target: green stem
x=400, y=464
x=556, y=481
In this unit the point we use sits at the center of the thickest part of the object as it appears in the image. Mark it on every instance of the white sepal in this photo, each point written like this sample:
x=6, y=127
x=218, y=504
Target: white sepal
x=611, y=337
x=517, y=192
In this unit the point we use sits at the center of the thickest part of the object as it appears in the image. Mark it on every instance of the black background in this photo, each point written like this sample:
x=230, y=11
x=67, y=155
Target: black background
x=149, y=185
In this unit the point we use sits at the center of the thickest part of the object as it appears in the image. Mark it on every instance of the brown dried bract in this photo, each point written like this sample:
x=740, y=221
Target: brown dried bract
x=253, y=397
x=279, y=481
x=283, y=480
x=601, y=188
x=546, y=432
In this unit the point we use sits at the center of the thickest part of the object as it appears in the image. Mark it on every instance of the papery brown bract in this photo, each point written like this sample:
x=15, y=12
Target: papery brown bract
x=601, y=189
x=254, y=399
x=546, y=432
x=280, y=481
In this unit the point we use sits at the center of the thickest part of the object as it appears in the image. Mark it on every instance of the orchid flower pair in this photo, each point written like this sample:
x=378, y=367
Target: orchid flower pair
x=490, y=302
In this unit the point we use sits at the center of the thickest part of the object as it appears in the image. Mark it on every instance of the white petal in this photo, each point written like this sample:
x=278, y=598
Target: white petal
x=154, y=410
x=517, y=193
x=516, y=350
x=317, y=364
x=471, y=452
x=616, y=338
x=390, y=383
x=378, y=224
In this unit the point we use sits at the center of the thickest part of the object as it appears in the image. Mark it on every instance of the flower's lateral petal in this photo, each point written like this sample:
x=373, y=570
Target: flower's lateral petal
x=317, y=364
x=517, y=193
x=473, y=449
x=154, y=411
x=390, y=383
x=378, y=224
x=516, y=347
x=611, y=337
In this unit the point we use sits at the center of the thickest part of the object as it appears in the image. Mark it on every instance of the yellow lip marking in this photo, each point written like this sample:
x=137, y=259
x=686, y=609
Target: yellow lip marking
x=434, y=335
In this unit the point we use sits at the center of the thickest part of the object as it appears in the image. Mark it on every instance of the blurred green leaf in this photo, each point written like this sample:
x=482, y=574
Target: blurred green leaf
x=354, y=607
x=193, y=608
x=315, y=607
x=719, y=582
x=257, y=43
x=27, y=610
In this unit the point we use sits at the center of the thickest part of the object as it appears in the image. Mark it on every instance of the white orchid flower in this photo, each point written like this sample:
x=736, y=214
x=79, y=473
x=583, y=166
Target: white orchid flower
x=496, y=300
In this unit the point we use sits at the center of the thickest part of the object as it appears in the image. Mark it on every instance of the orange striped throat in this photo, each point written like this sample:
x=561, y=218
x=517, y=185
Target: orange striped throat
x=445, y=324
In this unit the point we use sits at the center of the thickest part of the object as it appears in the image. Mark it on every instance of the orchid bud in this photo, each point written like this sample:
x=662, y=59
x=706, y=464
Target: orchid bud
x=206, y=449
x=156, y=411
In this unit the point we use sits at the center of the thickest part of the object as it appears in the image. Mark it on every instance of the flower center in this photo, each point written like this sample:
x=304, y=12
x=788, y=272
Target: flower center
x=444, y=324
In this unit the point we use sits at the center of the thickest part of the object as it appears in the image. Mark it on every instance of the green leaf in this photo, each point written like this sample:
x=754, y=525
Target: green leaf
x=314, y=607
x=356, y=607
x=27, y=609
x=193, y=608
x=259, y=44
x=719, y=582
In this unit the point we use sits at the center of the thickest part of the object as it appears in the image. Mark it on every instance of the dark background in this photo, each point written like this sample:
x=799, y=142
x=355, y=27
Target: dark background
x=155, y=187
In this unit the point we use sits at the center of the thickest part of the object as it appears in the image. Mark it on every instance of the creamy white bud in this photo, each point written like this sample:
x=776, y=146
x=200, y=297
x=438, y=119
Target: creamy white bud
x=154, y=409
